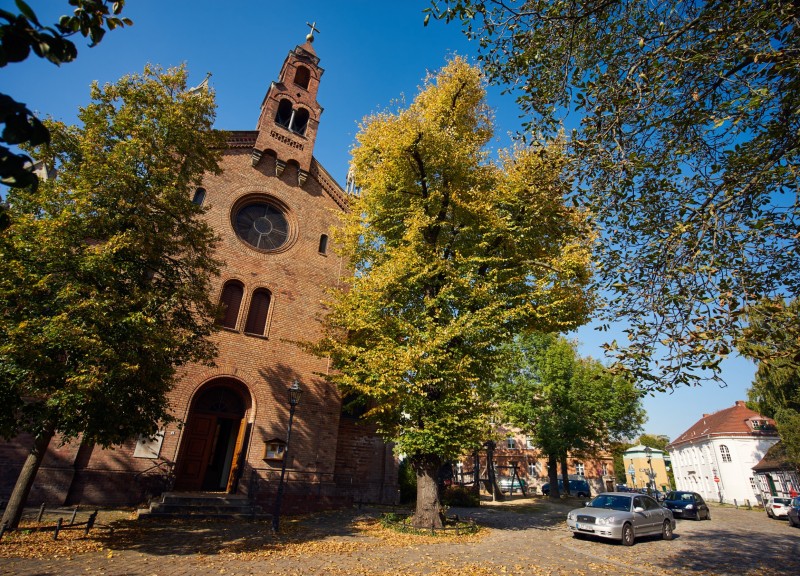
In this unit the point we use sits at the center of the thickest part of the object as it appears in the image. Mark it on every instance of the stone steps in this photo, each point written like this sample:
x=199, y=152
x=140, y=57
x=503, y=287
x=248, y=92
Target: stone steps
x=201, y=505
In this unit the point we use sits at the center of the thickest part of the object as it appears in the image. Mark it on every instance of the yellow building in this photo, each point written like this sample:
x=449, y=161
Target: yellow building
x=645, y=467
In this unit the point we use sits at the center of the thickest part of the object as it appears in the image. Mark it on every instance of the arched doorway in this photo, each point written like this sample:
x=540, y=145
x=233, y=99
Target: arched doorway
x=213, y=444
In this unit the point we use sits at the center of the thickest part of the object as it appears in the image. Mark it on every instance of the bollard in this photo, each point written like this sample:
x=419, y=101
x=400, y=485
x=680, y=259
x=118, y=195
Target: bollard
x=41, y=513
x=90, y=523
x=58, y=528
x=747, y=503
x=735, y=503
x=74, y=513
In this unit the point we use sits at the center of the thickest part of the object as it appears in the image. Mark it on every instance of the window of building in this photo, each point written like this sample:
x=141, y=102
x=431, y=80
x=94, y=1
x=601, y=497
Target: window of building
x=323, y=244
x=199, y=196
x=604, y=469
x=529, y=443
x=284, y=114
x=299, y=121
x=725, y=453
x=230, y=302
x=257, y=315
x=533, y=468
x=302, y=77
x=579, y=469
x=511, y=444
x=262, y=225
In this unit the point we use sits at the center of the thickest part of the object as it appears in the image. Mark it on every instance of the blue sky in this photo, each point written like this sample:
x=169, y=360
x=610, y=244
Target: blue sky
x=373, y=53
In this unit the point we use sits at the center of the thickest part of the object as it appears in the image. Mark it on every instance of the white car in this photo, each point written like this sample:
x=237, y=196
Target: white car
x=778, y=507
x=622, y=516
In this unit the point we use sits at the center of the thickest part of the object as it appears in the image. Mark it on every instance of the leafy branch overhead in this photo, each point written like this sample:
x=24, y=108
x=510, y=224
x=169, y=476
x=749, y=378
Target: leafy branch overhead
x=685, y=133
x=22, y=34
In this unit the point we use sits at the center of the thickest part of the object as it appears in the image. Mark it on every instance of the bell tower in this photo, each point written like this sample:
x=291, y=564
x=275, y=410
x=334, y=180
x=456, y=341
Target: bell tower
x=287, y=127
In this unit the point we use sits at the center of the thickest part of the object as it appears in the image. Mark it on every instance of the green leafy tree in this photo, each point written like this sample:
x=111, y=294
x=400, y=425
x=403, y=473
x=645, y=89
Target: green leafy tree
x=568, y=404
x=772, y=334
x=685, y=147
x=659, y=442
x=21, y=34
x=453, y=253
x=104, y=289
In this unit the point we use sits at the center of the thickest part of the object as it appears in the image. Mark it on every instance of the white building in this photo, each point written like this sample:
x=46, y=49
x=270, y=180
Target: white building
x=716, y=455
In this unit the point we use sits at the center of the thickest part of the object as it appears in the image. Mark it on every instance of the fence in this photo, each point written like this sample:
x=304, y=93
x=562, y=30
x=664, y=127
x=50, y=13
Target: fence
x=59, y=525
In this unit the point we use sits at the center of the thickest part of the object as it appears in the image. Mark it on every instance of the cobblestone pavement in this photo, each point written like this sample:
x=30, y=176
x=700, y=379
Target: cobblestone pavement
x=524, y=536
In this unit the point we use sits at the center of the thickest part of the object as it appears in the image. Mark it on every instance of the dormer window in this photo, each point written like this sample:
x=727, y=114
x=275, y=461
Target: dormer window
x=302, y=77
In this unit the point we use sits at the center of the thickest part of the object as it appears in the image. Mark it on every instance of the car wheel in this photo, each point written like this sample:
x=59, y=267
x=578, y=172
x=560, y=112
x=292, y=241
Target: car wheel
x=627, y=535
x=769, y=514
x=708, y=514
x=666, y=530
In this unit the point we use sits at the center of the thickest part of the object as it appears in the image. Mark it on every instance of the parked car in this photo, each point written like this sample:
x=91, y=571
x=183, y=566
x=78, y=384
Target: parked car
x=687, y=505
x=578, y=488
x=778, y=507
x=794, y=512
x=622, y=516
x=505, y=484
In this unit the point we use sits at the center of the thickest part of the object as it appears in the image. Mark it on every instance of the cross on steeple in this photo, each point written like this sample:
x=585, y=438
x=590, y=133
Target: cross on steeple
x=314, y=28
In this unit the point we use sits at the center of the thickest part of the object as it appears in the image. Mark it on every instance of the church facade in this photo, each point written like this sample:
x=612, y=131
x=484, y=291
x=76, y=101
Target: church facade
x=273, y=206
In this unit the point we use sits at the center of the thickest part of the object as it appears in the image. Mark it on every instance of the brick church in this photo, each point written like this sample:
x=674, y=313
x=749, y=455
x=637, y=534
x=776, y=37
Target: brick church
x=273, y=207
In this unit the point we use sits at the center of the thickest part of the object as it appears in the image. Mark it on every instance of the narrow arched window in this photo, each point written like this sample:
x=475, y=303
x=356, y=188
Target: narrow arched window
x=725, y=453
x=284, y=114
x=257, y=315
x=199, y=196
x=230, y=302
x=323, y=244
x=302, y=77
x=299, y=121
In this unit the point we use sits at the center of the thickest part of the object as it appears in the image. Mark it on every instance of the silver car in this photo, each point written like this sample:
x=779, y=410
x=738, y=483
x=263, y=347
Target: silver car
x=622, y=516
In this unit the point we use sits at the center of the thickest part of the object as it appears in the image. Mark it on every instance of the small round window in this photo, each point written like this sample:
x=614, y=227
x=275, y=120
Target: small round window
x=262, y=225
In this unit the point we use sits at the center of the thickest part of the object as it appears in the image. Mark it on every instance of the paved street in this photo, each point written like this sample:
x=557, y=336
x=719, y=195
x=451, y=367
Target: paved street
x=526, y=536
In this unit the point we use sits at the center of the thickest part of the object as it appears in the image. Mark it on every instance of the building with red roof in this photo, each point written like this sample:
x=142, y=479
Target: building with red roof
x=716, y=455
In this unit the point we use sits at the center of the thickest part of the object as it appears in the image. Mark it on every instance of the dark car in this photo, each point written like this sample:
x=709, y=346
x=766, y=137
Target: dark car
x=687, y=505
x=578, y=488
x=794, y=512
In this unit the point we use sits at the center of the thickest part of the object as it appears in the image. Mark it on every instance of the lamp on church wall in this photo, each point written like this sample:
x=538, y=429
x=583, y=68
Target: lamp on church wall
x=295, y=392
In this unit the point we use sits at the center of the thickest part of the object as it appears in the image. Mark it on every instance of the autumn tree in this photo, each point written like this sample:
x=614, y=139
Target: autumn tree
x=453, y=253
x=566, y=403
x=772, y=336
x=686, y=140
x=104, y=288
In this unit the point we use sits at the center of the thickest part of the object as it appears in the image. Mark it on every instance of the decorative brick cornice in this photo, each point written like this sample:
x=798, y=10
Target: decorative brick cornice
x=241, y=138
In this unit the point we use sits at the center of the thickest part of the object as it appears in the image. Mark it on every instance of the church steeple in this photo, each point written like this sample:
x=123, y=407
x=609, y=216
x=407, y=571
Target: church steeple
x=287, y=127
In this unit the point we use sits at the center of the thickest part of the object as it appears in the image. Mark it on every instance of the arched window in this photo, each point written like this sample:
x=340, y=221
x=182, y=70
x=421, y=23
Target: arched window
x=257, y=315
x=725, y=453
x=299, y=121
x=230, y=302
x=323, y=244
x=302, y=77
x=284, y=115
x=199, y=196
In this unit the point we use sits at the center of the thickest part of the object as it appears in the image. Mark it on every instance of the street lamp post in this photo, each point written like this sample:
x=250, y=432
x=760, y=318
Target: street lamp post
x=294, y=399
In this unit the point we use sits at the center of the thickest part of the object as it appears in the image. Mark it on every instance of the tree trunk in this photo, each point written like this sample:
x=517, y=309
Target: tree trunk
x=429, y=510
x=552, y=473
x=565, y=474
x=27, y=475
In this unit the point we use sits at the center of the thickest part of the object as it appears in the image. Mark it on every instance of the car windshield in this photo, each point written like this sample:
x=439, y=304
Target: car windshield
x=612, y=502
x=685, y=496
x=786, y=501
